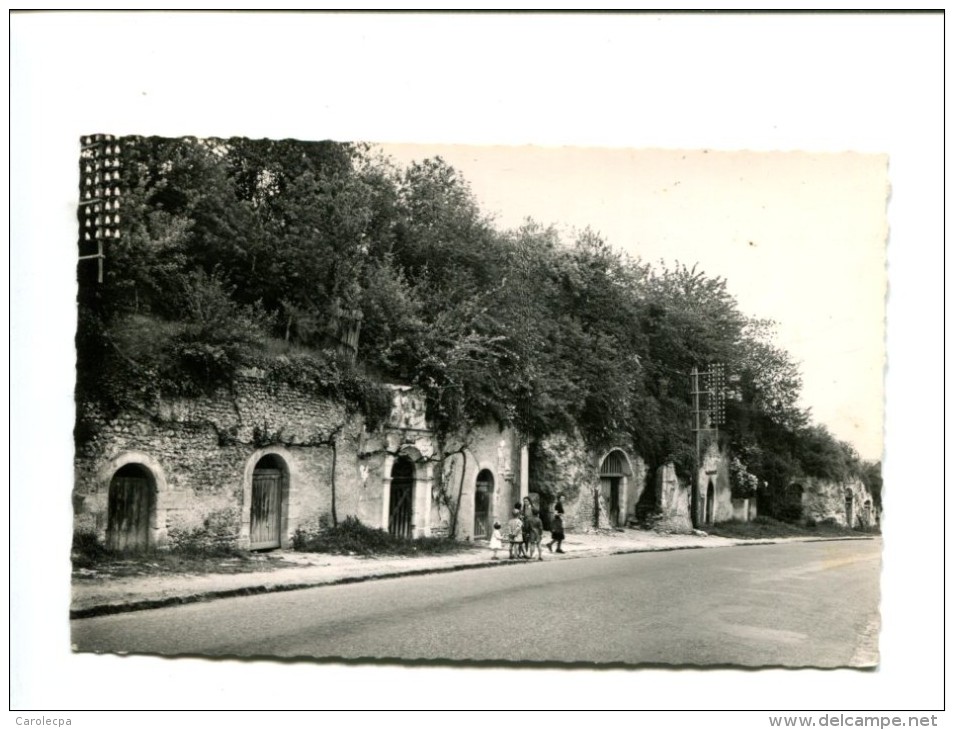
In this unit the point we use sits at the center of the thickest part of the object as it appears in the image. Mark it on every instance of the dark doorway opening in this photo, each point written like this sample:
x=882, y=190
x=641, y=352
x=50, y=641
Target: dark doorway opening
x=483, y=499
x=710, y=503
x=400, y=503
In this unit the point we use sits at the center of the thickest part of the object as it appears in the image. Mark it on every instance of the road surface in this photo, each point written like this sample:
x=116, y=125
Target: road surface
x=793, y=604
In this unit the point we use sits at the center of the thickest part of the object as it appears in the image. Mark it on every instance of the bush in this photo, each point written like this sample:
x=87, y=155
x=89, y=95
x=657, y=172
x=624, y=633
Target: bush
x=791, y=512
x=352, y=537
x=87, y=550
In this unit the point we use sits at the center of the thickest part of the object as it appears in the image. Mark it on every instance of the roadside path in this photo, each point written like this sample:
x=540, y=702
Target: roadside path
x=105, y=595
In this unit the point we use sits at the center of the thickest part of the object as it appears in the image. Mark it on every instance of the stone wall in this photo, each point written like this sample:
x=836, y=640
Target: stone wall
x=489, y=450
x=200, y=454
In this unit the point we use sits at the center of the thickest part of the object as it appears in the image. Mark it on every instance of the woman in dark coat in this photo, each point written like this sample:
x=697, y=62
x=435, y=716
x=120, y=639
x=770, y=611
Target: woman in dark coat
x=527, y=516
x=556, y=532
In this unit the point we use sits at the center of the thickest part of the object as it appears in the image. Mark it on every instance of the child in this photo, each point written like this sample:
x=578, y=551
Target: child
x=495, y=540
x=515, y=533
x=556, y=533
x=536, y=534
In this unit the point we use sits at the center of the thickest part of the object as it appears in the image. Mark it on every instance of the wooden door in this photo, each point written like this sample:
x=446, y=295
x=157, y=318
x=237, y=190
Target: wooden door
x=400, y=506
x=130, y=505
x=266, y=517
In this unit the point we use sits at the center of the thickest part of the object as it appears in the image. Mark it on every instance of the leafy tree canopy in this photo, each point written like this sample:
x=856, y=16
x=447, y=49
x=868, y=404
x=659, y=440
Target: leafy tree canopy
x=239, y=250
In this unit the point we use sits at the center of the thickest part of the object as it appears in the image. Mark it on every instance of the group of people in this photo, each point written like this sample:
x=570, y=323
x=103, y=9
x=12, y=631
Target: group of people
x=525, y=531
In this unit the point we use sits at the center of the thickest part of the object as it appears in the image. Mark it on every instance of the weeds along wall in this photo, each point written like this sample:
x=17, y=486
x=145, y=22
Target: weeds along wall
x=197, y=462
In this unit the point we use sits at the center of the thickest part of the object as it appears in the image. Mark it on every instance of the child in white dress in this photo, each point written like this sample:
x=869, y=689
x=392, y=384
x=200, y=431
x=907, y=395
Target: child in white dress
x=496, y=541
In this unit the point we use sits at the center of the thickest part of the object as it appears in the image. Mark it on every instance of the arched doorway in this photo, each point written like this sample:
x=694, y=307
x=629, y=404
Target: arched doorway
x=849, y=517
x=269, y=488
x=613, y=475
x=132, y=504
x=401, y=500
x=483, y=499
x=710, y=503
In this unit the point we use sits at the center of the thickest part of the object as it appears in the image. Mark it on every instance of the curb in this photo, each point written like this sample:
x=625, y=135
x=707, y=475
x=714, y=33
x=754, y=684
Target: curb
x=108, y=609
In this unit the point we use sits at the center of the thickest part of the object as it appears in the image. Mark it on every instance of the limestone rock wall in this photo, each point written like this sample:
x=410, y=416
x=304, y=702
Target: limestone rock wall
x=673, y=502
x=845, y=503
x=200, y=454
x=563, y=464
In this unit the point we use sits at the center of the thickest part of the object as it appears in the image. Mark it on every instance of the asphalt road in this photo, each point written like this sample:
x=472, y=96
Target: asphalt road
x=796, y=604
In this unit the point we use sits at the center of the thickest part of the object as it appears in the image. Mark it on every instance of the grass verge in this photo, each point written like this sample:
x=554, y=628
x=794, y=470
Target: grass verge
x=767, y=528
x=91, y=560
x=352, y=537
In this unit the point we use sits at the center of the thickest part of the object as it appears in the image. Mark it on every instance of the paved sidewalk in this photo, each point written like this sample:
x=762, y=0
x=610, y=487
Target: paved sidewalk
x=99, y=596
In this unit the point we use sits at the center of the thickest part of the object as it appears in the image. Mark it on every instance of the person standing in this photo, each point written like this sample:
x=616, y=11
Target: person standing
x=536, y=534
x=527, y=516
x=515, y=534
x=556, y=533
x=496, y=541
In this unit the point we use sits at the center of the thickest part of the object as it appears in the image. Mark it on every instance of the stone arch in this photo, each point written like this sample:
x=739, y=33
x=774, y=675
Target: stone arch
x=412, y=492
x=135, y=485
x=616, y=475
x=793, y=507
x=265, y=492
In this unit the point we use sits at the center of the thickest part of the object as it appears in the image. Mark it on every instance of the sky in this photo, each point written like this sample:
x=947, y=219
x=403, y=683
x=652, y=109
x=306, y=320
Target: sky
x=799, y=237
x=823, y=83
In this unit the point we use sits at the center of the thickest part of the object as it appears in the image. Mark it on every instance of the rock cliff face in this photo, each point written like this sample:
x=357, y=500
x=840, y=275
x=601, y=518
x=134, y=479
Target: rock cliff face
x=594, y=483
x=673, y=502
x=845, y=503
x=562, y=465
x=170, y=469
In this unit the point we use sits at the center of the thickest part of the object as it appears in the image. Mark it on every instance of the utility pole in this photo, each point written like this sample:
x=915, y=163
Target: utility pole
x=708, y=411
